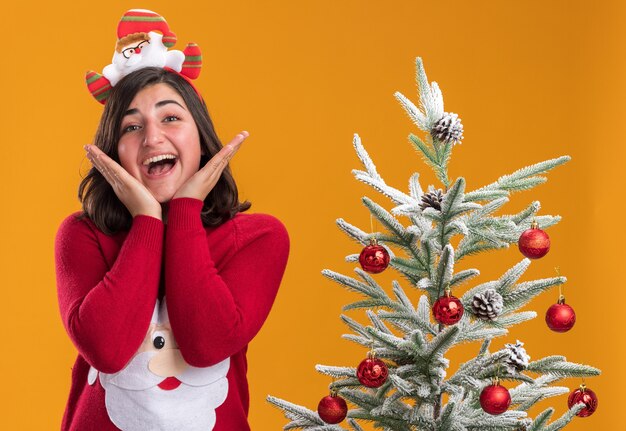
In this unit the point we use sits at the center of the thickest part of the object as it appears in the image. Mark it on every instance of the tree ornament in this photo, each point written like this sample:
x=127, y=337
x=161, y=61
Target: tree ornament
x=518, y=358
x=432, y=199
x=374, y=258
x=495, y=399
x=560, y=317
x=534, y=243
x=448, y=309
x=332, y=408
x=372, y=372
x=448, y=129
x=586, y=396
x=487, y=305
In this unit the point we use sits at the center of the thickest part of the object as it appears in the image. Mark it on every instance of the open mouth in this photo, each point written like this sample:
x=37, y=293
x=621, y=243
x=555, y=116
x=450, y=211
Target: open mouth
x=159, y=166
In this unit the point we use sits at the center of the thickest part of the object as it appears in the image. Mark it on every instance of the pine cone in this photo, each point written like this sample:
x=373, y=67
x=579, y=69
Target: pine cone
x=432, y=199
x=448, y=129
x=518, y=358
x=487, y=305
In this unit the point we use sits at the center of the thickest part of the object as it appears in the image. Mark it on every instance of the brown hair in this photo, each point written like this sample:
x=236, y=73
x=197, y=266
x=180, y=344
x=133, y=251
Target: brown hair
x=135, y=37
x=99, y=201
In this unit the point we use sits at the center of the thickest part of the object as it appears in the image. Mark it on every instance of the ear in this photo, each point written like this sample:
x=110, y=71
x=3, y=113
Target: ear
x=155, y=314
x=163, y=317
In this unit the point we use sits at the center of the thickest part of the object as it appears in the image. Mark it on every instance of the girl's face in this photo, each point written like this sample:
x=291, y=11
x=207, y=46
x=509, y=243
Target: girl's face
x=159, y=142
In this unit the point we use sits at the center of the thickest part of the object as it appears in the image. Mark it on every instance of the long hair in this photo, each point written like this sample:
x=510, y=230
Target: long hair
x=99, y=201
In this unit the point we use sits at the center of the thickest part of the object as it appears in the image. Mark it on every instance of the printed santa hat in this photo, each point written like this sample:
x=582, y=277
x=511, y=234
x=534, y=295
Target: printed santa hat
x=144, y=21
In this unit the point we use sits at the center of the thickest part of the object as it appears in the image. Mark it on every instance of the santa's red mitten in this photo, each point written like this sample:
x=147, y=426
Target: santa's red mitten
x=193, y=61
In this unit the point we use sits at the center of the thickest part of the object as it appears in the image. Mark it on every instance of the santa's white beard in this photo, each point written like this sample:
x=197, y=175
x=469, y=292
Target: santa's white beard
x=149, y=57
x=134, y=401
x=184, y=408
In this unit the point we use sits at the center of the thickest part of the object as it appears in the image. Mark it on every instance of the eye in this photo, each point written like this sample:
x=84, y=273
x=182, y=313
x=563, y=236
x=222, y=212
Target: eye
x=130, y=128
x=128, y=52
x=159, y=342
x=170, y=118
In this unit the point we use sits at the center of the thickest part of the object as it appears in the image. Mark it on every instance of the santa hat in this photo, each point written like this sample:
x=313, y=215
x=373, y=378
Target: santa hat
x=145, y=21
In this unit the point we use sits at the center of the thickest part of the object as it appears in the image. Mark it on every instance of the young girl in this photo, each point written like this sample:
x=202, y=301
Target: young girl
x=162, y=279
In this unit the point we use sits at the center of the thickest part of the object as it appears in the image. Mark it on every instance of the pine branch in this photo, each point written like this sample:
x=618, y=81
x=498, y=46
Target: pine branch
x=463, y=277
x=524, y=292
x=525, y=178
x=443, y=273
x=565, y=419
x=355, y=426
x=441, y=343
x=541, y=420
x=336, y=372
x=302, y=417
x=562, y=368
x=353, y=232
x=387, y=220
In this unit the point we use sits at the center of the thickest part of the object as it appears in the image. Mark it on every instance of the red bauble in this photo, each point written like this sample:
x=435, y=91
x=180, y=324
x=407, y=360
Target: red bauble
x=495, y=399
x=586, y=396
x=332, y=409
x=534, y=243
x=374, y=258
x=372, y=372
x=448, y=310
x=560, y=317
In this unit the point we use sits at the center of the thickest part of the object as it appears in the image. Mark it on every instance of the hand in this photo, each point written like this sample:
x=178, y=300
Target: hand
x=203, y=181
x=134, y=195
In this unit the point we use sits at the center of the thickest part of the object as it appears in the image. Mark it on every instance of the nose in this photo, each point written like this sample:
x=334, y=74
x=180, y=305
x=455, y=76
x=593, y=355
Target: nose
x=137, y=50
x=167, y=363
x=153, y=135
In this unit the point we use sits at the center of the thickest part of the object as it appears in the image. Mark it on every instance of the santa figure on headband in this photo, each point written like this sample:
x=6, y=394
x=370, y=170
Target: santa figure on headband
x=143, y=40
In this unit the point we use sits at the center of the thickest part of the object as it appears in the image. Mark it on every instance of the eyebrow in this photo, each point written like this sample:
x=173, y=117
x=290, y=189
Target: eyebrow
x=157, y=105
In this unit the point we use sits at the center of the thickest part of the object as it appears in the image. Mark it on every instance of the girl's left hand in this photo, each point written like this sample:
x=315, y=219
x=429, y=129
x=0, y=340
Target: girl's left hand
x=203, y=181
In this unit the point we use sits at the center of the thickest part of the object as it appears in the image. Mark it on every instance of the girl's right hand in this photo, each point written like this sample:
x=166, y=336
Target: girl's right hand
x=134, y=195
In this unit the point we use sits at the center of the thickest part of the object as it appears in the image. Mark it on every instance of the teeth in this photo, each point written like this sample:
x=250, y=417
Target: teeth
x=157, y=158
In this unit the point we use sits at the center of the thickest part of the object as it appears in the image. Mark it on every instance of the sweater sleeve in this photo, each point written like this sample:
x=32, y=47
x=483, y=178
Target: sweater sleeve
x=215, y=313
x=107, y=311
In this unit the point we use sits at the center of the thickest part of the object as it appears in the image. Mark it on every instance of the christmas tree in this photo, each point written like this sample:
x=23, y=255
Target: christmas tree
x=403, y=384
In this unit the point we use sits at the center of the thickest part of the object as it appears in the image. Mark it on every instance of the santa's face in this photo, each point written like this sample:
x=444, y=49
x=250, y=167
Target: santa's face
x=141, y=53
x=159, y=143
x=158, y=390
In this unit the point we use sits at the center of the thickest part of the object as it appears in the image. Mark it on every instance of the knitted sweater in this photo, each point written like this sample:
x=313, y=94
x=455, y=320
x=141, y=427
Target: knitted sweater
x=219, y=283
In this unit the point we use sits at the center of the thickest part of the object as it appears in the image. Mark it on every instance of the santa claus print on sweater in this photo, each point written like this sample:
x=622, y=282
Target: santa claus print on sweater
x=158, y=390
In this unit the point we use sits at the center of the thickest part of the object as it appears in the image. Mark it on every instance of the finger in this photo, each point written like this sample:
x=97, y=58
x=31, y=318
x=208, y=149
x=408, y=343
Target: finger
x=97, y=163
x=104, y=164
x=108, y=166
x=220, y=160
x=237, y=141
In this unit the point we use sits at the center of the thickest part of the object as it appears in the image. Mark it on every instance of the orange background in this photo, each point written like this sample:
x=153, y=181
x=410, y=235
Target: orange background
x=530, y=81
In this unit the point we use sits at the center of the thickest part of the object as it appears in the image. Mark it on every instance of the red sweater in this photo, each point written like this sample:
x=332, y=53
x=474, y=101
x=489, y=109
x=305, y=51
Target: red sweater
x=220, y=283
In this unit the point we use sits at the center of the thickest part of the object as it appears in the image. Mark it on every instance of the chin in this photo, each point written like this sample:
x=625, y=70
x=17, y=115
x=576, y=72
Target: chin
x=163, y=196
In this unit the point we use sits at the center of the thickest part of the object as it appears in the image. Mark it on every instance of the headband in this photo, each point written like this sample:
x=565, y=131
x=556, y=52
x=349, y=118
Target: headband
x=143, y=40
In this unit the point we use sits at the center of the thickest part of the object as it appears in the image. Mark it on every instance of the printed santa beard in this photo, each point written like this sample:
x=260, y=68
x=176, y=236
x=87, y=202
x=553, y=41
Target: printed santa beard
x=157, y=390
x=134, y=401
